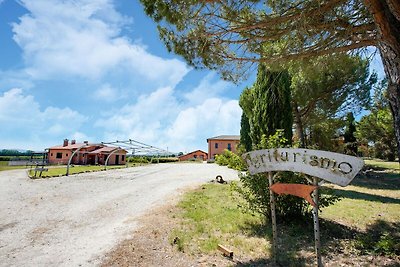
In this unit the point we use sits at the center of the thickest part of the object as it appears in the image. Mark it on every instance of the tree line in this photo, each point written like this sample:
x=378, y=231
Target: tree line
x=14, y=152
x=314, y=106
x=233, y=36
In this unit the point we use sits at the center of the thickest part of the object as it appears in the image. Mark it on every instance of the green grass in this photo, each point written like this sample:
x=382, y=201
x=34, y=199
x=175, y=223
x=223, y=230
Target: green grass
x=210, y=216
x=4, y=166
x=365, y=221
x=75, y=169
x=361, y=207
x=383, y=164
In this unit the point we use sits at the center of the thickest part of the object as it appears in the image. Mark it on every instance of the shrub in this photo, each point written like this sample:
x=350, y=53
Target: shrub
x=164, y=160
x=138, y=160
x=255, y=189
x=232, y=160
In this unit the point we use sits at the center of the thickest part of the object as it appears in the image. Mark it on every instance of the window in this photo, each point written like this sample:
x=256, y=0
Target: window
x=216, y=145
x=229, y=147
x=59, y=155
x=51, y=154
x=66, y=155
x=123, y=157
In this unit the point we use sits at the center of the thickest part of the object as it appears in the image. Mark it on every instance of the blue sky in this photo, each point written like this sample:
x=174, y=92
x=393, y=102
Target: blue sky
x=95, y=70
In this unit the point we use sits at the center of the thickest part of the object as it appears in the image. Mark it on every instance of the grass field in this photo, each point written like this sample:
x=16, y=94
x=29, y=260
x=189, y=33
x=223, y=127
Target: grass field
x=362, y=228
x=57, y=171
x=4, y=166
x=383, y=164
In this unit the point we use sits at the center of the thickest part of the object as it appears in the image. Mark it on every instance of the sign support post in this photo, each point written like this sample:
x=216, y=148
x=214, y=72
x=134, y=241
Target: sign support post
x=316, y=223
x=273, y=218
x=332, y=167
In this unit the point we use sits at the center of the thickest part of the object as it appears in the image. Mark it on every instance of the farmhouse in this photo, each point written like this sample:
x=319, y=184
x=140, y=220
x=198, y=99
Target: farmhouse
x=87, y=154
x=196, y=155
x=217, y=145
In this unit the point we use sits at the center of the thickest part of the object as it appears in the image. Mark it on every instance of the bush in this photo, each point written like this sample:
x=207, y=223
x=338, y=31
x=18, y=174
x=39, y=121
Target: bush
x=138, y=160
x=255, y=189
x=232, y=160
x=164, y=160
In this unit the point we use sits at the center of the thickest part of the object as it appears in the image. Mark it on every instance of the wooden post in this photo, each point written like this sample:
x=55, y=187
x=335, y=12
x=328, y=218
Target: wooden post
x=316, y=224
x=273, y=218
x=36, y=168
x=227, y=252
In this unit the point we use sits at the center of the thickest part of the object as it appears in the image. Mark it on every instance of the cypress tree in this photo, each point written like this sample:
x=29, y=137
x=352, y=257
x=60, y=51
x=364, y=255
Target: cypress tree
x=272, y=106
x=245, y=139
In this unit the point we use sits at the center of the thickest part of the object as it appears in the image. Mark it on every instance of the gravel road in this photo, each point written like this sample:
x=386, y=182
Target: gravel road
x=73, y=221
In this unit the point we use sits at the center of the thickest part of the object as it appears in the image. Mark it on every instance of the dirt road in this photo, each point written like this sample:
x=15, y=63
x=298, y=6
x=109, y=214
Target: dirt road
x=73, y=221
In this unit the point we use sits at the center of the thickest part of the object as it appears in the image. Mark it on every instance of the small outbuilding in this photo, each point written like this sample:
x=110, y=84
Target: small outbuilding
x=194, y=155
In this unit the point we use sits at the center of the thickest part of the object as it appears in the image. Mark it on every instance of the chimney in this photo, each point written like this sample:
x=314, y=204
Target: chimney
x=65, y=142
x=73, y=142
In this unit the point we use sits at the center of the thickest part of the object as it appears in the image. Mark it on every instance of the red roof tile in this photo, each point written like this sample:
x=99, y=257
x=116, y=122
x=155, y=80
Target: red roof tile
x=74, y=146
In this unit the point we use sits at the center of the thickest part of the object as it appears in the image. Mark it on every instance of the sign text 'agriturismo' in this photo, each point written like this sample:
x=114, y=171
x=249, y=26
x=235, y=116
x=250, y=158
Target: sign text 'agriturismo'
x=333, y=167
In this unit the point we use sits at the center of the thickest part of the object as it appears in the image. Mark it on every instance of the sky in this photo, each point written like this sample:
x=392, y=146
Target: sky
x=96, y=70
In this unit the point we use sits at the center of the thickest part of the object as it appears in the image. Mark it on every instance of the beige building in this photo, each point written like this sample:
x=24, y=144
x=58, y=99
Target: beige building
x=217, y=144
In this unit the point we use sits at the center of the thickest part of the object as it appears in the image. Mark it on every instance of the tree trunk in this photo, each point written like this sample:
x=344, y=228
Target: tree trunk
x=299, y=125
x=386, y=16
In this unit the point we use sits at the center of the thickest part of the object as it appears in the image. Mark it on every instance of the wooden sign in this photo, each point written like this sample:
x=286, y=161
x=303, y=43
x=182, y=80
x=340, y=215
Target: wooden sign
x=299, y=190
x=333, y=167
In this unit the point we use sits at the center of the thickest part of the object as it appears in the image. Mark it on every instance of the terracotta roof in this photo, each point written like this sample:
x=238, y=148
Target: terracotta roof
x=69, y=147
x=106, y=149
x=225, y=137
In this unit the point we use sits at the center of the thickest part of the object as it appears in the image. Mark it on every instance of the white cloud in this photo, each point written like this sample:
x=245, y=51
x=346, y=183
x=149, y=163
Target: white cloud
x=22, y=118
x=160, y=119
x=106, y=93
x=80, y=136
x=213, y=117
x=143, y=120
x=81, y=42
x=15, y=79
x=207, y=88
x=82, y=38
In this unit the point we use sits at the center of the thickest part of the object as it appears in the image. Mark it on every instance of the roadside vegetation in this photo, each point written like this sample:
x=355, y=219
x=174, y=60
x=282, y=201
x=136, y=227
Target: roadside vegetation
x=60, y=170
x=55, y=171
x=74, y=169
x=363, y=226
x=151, y=159
x=5, y=167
